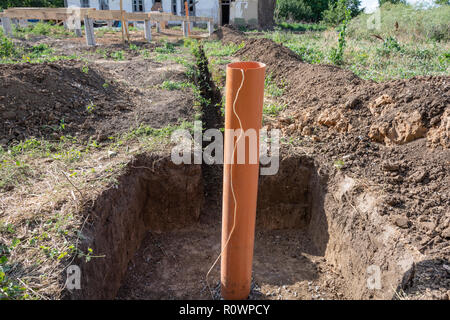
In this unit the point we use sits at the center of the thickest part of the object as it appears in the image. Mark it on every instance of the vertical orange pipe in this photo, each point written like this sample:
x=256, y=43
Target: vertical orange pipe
x=238, y=236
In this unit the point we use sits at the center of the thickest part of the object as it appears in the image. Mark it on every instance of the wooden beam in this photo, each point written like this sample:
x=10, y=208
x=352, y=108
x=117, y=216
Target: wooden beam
x=92, y=13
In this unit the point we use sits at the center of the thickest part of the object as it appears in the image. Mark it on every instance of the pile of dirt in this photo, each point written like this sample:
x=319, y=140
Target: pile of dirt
x=228, y=33
x=81, y=100
x=392, y=136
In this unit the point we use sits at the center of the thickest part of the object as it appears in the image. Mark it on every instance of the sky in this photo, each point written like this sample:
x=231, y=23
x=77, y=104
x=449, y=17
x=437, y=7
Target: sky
x=371, y=5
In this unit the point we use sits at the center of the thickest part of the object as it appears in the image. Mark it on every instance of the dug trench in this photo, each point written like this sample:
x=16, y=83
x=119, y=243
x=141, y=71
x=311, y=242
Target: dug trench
x=319, y=234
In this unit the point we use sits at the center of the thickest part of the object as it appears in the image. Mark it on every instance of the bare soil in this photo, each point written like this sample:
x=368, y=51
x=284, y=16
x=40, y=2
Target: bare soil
x=96, y=99
x=363, y=182
x=390, y=140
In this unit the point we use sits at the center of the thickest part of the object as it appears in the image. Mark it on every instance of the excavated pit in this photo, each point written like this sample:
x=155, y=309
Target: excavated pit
x=319, y=235
x=160, y=235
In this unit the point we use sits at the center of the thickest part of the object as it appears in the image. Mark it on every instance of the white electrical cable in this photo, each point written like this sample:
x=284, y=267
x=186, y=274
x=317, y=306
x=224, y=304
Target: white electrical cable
x=231, y=180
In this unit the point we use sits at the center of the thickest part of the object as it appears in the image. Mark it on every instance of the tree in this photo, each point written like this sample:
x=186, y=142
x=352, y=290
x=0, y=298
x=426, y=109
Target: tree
x=310, y=10
x=442, y=2
x=296, y=10
x=354, y=6
x=31, y=3
x=381, y=2
x=337, y=11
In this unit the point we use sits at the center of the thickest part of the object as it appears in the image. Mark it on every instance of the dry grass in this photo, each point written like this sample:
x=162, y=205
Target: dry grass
x=42, y=219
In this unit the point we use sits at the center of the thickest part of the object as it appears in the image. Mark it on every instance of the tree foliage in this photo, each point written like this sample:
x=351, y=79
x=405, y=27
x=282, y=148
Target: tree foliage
x=31, y=3
x=381, y=2
x=310, y=10
x=337, y=11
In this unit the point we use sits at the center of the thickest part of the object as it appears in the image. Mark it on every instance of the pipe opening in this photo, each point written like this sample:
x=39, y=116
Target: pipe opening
x=248, y=65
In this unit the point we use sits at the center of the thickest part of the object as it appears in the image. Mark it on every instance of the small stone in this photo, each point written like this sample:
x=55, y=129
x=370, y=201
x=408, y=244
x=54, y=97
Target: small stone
x=307, y=131
x=112, y=154
x=402, y=222
x=388, y=166
x=446, y=233
x=353, y=102
x=429, y=226
x=9, y=115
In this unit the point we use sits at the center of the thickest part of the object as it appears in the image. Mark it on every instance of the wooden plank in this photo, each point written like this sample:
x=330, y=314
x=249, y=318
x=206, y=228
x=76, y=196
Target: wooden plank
x=133, y=16
x=92, y=13
x=58, y=10
x=45, y=13
x=39, y=16
x=105, y=15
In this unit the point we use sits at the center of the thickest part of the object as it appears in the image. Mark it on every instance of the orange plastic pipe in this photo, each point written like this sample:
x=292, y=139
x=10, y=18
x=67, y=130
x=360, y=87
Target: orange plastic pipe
x=238, y=236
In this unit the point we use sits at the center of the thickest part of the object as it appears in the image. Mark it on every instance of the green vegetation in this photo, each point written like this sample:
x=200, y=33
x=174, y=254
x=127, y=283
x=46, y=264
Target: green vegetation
x=300, y=27
x=414, y=25
x=41, y=29
x=272, y=88
x=312, y=10
x=337, y=13
x=31, y=3
x=337, y=54
x=174, y=85
x=381, y=2
x=218, y=49
x=273, y=109
x=10, y=53
x=167, y=47
x=9, y=289
x=410, y=42
x=118, y=55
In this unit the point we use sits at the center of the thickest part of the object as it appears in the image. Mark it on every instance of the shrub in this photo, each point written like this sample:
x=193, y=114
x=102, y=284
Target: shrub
x=7, y=49
x=381, y=2
x=337, y=54
x=336, y=11
x=296, y=10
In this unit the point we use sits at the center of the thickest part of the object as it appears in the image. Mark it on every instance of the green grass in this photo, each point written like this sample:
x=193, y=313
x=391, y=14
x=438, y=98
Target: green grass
x=272, y=88
x=40, y=53
x=301, y=27
x=174, y=85
x=118, y=55
x=166, y=48
x=414, y=24
x=218, y=49
x=418, y=48
x=273, y=109
x=42, y=29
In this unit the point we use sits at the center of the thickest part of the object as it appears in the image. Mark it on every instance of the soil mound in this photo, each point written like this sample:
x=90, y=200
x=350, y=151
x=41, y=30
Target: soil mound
x=72, y=98
x=53, y=99
x=392, y=135
x=333, y=99
x=228, y=33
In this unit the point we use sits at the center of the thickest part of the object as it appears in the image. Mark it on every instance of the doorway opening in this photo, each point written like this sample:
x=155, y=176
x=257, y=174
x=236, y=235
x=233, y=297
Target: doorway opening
x=225, y=18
